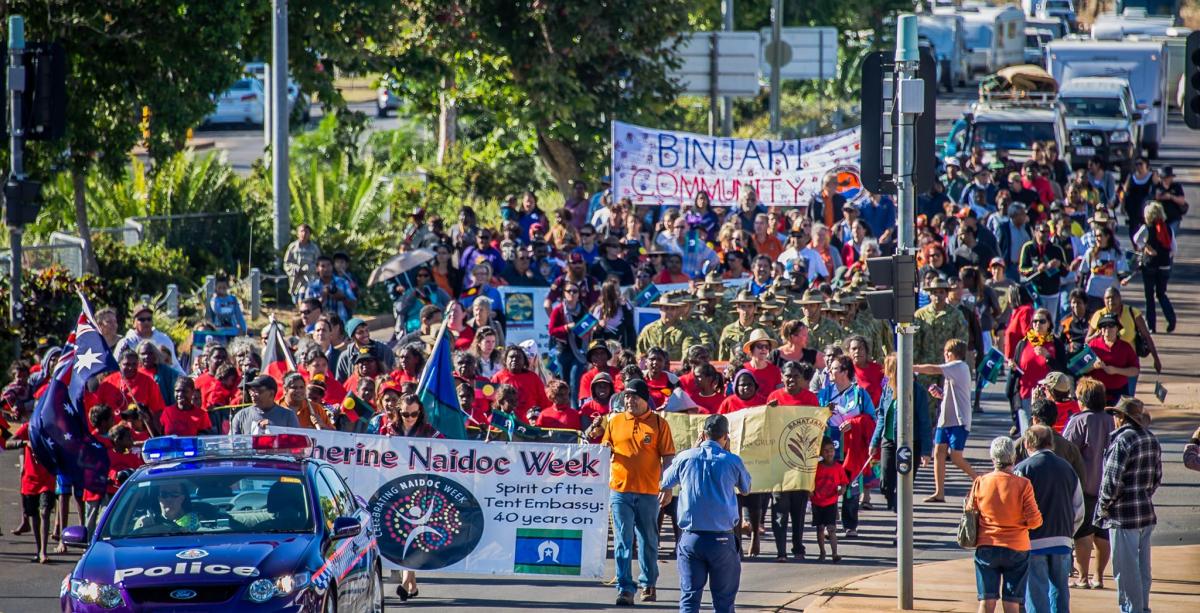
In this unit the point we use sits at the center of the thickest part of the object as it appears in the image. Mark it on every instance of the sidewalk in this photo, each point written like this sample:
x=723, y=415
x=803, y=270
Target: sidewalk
x=950, y=586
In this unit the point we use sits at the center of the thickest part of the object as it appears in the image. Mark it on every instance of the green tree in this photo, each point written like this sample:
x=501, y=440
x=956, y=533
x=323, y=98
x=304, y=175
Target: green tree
x=560, y=68
x=168, y=55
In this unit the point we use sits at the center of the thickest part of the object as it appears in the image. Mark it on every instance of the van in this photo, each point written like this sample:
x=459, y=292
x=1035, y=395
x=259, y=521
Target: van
x=1141, y=64
x=1012, y=121
x=1102, y=121
x=945, y=34
x=995, y=36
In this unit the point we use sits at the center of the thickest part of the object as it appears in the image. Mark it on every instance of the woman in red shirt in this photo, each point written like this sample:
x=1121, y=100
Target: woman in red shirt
x=1116, y=360
x=531, y=392
x=412, y=362
x=795, y=392
x=1034, y=357
x=709, y=393
x=766, y=373
x=868, y=374
x=745, y=393
x=561, y=415
x=462, y=335
x=598, y=356
x=184, y=417
x=657, y=378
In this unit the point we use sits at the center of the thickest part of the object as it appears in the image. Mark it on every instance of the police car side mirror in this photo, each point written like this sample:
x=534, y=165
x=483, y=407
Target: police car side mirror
x=75, y=536
x=346, y=527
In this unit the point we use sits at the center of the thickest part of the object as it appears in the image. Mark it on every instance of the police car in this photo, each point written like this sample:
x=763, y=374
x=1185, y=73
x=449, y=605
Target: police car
x=236, y=523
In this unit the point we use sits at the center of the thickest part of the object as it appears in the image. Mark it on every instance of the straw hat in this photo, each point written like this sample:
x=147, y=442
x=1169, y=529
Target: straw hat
x=758, y=336
x=745, y=297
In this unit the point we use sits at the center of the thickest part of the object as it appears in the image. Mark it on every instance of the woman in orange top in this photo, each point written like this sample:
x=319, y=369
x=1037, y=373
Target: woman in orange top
x=1007, y=512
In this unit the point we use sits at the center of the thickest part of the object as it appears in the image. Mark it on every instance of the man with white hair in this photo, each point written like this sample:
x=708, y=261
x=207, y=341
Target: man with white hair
x=1060, y=500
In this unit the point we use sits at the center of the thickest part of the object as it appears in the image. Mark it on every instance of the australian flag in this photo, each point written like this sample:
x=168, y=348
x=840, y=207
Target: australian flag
x=58, y=430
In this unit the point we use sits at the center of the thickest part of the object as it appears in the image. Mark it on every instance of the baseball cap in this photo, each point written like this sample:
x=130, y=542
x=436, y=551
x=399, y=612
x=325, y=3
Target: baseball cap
x=389, y=386
x=996, y=262
x=575, y=258
x=1108, y=319
x=263, y=382
x=142, y=308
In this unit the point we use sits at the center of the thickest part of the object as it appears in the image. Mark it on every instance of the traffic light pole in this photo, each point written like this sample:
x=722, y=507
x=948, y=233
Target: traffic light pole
x=907, y=62
x=16, y=155
x=280, y=119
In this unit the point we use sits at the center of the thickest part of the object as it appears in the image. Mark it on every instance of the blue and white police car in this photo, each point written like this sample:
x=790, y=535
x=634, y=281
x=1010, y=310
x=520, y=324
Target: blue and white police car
x=231, y=523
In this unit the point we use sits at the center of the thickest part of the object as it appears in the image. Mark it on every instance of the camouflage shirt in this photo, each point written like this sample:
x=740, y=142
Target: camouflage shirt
x=824, y=332
x=733, y=337
x=934, y=328
x=674, y=338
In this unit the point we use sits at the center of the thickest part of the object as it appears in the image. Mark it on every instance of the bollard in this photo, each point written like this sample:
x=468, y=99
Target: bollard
x=255, y=293
x=173, y=302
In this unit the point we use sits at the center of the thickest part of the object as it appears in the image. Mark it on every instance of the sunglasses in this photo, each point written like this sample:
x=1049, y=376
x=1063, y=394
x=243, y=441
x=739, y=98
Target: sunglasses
x=306, y=311
x=761, y=347
x=170, y=494
x=145, y=319
x=413, y=414
x=1041, y=321
x=586, y=234
x=570, y=291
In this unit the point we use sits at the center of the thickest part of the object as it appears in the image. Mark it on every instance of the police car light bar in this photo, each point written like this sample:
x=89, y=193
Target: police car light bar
x=163, y=448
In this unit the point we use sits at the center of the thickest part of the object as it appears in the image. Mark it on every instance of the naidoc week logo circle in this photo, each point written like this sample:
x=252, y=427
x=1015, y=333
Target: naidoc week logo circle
x=426, y=521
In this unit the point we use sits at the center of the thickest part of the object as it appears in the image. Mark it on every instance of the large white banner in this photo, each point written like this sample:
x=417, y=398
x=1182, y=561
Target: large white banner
x=663, y=167
x=474, y=507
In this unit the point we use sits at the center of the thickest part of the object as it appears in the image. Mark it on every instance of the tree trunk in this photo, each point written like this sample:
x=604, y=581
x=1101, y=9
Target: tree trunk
x=559, y=159
x=79, y=183
x=447, y=120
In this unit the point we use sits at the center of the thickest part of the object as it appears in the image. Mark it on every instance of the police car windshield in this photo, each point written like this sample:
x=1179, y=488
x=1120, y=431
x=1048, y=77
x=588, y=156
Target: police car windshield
x=210, y=504
x=1077, y=106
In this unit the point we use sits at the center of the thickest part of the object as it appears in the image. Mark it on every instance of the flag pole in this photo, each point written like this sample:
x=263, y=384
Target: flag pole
x=423, y=381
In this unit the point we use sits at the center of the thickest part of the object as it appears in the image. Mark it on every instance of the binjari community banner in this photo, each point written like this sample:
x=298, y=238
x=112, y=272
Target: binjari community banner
x=780, y=446
x=474, y=507
x=663, y=167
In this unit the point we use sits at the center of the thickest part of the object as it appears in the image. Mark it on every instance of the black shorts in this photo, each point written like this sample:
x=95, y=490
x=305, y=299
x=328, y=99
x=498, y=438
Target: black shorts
x=1088, y=528
x=33, y=504
x=824, y=516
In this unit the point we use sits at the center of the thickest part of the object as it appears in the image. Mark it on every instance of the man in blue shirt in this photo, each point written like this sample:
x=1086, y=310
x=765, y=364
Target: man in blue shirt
x=879, y=211
x=709, y=477
x=333, y=292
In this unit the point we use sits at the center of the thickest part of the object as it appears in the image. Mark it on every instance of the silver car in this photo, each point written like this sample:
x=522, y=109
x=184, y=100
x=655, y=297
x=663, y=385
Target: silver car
x=242, y=104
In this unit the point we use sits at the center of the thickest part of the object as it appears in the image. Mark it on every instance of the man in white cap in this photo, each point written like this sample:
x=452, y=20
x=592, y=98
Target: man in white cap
x=954, y=180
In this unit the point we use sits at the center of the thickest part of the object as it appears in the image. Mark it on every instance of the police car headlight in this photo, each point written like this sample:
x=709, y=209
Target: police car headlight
x=1120, y=136
x=90, y=592
x=263, y=590
x=288, y=584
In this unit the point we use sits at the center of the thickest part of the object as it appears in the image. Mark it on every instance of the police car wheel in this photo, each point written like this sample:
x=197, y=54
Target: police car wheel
x=377, y=595
x=330, y=604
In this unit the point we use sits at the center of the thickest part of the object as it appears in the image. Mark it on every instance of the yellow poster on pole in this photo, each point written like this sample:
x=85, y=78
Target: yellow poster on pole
x=780, y=446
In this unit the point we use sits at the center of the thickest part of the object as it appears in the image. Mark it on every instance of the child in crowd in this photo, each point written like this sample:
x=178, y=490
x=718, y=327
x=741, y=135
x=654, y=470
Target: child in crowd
x=37, y=495
x=225, y=311
x=829, y=486
x=561, y=415
x=954, y=418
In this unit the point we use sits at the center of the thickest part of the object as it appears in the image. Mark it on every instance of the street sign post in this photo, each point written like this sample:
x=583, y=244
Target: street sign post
x=808, y=53
x=720, y=65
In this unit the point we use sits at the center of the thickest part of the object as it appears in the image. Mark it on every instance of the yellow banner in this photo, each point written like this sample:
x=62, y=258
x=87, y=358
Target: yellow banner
x=780, y=446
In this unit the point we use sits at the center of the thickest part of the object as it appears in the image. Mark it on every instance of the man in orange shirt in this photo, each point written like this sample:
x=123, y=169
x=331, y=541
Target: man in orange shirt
x=642, y=448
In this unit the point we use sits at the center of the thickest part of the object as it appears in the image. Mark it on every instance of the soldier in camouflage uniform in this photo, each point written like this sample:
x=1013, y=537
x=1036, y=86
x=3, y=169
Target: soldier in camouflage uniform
x=734, y=335
x=822, y=331
x=937, y=322
x=699, y=331
x=709, y=310
x=667, y=332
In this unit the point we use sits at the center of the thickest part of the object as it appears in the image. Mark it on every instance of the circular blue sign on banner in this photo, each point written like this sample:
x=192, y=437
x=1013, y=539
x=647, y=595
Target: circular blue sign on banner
x=426, y=521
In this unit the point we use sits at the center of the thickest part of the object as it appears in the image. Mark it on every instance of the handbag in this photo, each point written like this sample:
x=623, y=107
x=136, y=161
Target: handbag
x=968, y=524
x=1140, y=344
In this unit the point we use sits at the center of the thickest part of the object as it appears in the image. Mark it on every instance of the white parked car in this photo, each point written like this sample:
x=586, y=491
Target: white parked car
x=303, y=114
x=242, y=103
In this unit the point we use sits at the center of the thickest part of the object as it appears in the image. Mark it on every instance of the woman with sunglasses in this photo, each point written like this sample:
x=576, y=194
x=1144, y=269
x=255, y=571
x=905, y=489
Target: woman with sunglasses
x=446, y=274
x=404, y=415
x=421, y=293
x=565, y=318
x=1036, y=355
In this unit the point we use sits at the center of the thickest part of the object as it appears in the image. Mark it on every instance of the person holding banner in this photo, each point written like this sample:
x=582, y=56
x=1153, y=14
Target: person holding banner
x=642, y=449
x=709, y=477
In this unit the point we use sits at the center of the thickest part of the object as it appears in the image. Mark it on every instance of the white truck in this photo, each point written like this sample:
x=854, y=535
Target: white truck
x=945, y=34
x=995, y=36
x=1142, y=64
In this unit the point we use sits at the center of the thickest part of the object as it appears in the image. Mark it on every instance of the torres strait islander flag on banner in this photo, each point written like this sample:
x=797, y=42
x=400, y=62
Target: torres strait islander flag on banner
x=663, y=167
